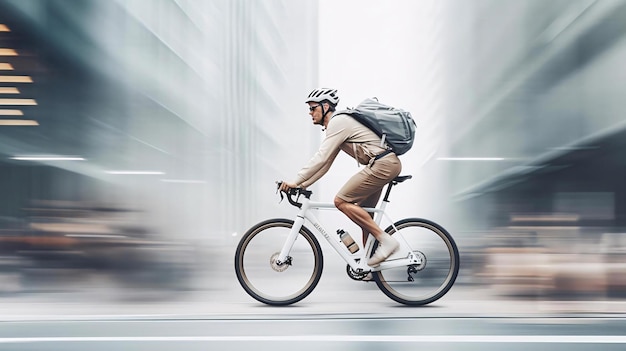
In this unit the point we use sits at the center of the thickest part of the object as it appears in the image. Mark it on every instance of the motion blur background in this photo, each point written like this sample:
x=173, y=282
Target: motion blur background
x=140, y=139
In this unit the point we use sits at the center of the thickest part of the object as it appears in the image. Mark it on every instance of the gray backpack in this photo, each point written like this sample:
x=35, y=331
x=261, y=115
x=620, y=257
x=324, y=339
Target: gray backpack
x=396, y=127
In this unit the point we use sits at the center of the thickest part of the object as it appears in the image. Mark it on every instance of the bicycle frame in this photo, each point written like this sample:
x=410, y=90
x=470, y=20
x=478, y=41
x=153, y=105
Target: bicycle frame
x=358, y=260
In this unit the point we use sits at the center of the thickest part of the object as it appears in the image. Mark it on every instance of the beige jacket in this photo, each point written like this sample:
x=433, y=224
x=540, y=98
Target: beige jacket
x=343, y=133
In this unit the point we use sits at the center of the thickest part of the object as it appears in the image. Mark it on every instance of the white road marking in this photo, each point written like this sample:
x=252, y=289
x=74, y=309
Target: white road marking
x=562, y=339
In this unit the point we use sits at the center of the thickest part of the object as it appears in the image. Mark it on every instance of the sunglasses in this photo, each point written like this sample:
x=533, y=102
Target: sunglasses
x=312, y=108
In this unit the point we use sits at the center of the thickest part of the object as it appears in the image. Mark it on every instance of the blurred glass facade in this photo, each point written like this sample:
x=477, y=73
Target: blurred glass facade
x=535, y=140
x=193, y=91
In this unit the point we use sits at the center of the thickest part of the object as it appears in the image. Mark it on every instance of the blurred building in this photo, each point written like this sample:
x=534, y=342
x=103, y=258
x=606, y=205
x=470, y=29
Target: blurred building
x=536, y=132
x=186, y=110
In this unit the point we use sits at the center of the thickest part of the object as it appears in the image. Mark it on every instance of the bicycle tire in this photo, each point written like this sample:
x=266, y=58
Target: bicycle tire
x=253, y=257
x=441, y=273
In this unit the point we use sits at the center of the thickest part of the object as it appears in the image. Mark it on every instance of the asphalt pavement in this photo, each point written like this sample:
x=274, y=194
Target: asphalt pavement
x=335, y=296
x=340, y=314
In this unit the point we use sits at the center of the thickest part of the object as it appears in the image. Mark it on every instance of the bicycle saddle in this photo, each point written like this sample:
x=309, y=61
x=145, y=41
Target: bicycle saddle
x=400, y=179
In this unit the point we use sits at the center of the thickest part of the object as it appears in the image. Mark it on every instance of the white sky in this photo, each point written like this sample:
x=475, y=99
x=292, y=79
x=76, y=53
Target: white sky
x=381, y=48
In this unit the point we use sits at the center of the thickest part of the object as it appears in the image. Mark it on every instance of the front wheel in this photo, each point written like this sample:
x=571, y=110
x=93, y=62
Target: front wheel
x=421, y=284
x=262, y=278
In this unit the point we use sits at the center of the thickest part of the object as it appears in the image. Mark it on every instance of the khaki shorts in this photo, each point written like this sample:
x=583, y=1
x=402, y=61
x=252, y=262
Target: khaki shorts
x=364, y=188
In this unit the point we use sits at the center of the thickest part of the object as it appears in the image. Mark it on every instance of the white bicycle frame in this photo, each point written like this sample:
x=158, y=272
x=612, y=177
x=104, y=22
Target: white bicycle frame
x=357, y=260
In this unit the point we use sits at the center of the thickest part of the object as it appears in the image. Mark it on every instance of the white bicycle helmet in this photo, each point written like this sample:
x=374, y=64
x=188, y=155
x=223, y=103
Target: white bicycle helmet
x=324, y=94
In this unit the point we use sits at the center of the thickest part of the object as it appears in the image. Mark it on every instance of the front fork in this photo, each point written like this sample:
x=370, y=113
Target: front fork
x=283, y=257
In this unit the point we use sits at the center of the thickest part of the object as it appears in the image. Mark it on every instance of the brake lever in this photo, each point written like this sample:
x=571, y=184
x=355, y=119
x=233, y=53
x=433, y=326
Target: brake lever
x=289, y=194
x=282, y=197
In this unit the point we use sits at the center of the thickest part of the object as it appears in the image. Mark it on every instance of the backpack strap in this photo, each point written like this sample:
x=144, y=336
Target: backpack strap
x=379, y=156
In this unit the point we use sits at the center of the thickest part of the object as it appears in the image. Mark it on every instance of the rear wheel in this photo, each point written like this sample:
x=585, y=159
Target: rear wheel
x=421, y=284
x=266, y=281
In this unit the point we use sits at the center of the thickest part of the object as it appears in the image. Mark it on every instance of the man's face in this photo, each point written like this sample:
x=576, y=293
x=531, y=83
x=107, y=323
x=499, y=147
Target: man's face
x=315, y=110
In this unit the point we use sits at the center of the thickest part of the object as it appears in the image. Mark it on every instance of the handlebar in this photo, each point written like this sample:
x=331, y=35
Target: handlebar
x=294, y=192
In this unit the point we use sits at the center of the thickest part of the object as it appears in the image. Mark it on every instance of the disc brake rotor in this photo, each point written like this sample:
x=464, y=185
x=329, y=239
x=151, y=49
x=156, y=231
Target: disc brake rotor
x=275, y=266
x=422, y=257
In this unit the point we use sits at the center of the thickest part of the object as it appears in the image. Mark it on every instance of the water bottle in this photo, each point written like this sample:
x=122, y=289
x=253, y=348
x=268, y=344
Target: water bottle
x=347, y=240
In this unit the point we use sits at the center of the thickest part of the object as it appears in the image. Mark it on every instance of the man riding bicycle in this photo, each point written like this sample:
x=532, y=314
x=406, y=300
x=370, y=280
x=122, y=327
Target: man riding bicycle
x=364, y=188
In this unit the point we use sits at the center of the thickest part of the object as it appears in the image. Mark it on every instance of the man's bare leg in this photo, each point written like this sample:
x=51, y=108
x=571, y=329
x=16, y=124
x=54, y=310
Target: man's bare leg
x=364, y=220
x=359, y=216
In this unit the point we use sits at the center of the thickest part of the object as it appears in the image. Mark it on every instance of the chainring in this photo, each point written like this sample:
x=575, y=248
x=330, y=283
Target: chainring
x=355, y=275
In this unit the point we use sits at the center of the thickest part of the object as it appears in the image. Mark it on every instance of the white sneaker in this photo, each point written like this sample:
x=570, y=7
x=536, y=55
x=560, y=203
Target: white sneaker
x=385, y=249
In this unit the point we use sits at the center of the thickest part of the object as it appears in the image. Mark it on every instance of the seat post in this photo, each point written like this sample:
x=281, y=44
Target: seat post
x=388, y=191
x=395, y=181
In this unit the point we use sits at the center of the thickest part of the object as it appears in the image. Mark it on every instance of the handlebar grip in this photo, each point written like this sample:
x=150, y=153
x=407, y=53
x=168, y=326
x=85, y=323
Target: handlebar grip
x=290, y=194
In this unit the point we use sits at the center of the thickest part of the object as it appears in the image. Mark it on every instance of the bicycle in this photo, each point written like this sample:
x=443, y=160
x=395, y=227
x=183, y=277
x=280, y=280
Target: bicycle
x=420, y=272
